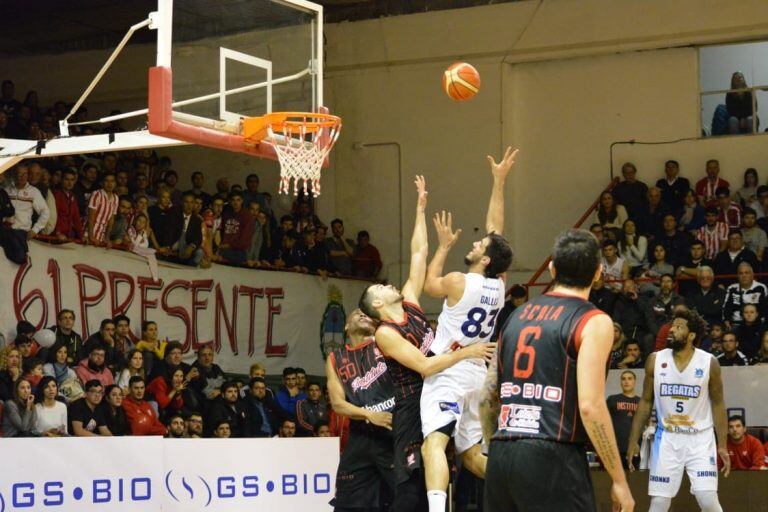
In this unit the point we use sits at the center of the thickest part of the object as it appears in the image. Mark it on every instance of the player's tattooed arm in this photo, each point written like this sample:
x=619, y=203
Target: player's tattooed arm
x=595, y=346
x=643, y=412
x=419, y=246
x=719, y=414
x=490, y=404
x=494, y=220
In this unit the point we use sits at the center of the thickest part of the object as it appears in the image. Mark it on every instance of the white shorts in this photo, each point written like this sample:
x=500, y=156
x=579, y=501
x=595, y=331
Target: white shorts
x=454, y=395
x=672, y=453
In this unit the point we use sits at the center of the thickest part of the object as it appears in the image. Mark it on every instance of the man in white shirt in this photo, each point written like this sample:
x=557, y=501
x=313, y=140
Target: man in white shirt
x=615, y=268
x=27, y=200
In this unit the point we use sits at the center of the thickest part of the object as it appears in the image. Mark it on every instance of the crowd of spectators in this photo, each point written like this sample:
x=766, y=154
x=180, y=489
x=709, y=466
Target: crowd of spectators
x=133, y=200
x=108, y=385
x=684, y=244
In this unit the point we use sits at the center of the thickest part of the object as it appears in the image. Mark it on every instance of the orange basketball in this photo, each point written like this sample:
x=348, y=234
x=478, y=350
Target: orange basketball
x=461, y=81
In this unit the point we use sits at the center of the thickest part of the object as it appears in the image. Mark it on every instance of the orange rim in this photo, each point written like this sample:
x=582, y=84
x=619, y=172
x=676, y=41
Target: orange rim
x=294, y=123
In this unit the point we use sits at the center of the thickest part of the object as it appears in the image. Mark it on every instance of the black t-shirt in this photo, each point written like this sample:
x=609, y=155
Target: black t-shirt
x=117, y=423
x=633, y=196
x=91, y=420
x=622, y=410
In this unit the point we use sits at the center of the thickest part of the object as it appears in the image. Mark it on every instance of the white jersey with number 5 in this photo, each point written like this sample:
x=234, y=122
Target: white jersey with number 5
x=472, y=319
x=682, y=398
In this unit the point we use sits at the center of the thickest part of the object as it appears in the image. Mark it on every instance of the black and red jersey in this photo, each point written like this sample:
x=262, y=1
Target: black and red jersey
x=415, y=329
x=537, y=369
x=363, y=373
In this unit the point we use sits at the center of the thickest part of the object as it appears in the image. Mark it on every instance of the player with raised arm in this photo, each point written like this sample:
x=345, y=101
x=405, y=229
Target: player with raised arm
x=545, y=393
x=685, y=386
x=404, y=337
x=472, y=300
x=360, y=388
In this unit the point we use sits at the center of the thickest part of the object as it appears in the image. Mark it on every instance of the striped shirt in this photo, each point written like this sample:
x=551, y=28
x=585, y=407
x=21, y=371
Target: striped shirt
x=731, y=216
x=105, y=208
x=711, y=238
x=706, y=189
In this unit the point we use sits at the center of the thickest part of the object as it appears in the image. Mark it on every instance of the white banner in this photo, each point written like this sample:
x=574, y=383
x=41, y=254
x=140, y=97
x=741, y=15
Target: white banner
x=151, y=474
x=278, y=318
x=78, y=474
x=744, y=389
x=245, y=475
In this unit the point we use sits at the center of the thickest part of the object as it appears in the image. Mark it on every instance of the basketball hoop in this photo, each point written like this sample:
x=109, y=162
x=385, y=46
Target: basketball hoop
x=302, y=142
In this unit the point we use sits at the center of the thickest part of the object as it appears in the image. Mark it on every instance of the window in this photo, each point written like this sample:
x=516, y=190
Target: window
x=733, y=80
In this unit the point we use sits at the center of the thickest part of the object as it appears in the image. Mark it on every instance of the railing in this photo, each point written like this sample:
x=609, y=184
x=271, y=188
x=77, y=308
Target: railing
x=543, y=267
x=752, y=90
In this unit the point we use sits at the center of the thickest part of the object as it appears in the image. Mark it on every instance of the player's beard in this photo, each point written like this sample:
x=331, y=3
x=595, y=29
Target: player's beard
x=675, y=344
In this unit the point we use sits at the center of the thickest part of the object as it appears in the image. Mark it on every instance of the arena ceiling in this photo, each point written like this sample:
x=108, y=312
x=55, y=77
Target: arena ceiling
x=58, y=26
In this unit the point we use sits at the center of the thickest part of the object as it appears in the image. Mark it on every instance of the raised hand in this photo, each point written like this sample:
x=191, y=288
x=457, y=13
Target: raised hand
x=421, y=188
x=501, y=169
x=445, y=234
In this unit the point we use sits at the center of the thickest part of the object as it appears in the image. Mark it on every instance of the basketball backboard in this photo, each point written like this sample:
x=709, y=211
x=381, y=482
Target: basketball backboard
x=217, y=62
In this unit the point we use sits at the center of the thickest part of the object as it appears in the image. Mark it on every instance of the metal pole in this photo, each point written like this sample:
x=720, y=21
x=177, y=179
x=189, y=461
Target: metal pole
x=198, y=99
x=106, y=65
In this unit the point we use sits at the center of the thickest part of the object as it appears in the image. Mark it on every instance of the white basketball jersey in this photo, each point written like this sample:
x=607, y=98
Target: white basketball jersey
x=682, y=398
x=473, y=318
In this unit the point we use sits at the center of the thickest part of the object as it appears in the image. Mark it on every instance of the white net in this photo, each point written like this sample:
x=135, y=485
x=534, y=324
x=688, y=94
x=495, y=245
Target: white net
x=301, y=156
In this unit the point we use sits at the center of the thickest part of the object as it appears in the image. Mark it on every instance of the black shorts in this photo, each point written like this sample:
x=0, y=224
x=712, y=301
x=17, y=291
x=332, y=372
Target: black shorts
x=406, y=428
x=365, y=464
x=534, y=475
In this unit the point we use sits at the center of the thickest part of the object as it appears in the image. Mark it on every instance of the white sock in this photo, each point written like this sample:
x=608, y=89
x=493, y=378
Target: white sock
x=436, y=501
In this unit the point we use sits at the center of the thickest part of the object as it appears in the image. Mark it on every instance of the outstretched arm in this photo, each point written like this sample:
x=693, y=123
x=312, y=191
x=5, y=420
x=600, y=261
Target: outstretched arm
x=452, y=285
x=494, y=220
x=419, y=247
x=396, y=347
